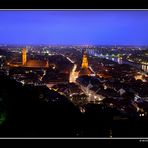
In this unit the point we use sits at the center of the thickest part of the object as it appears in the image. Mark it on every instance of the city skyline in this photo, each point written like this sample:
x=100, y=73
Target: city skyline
x=78, y=27
x=73, y=91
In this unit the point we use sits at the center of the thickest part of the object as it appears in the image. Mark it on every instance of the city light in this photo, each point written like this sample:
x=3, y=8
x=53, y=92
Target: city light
x=74, y=73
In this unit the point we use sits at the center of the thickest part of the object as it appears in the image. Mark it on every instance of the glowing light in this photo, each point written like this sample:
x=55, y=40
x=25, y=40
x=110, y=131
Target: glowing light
x=141, y=115
x=73, y=74
x=24, y=56
x=23, y=82
x=70, y=60
x=99, y=99
x=82, y=110
x=2, y=117
x=84, y=61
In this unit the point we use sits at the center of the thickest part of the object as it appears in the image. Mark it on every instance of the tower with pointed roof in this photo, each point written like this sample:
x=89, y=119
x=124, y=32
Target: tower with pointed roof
x=24, y=56
x=84, y=61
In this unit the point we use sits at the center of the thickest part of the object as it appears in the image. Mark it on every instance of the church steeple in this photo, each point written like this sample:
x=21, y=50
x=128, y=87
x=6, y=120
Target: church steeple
x=84, y=61
x=24, y=56
x=85, y=70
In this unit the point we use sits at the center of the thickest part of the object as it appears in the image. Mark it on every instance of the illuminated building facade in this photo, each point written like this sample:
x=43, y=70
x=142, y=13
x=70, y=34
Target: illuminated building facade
x=85, y=70
x=37, y=63
x=24, y=56
x=29, y=63
x=84, y=61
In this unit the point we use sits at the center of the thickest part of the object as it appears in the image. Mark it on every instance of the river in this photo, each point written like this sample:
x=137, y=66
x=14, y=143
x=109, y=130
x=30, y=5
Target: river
x=120, y=61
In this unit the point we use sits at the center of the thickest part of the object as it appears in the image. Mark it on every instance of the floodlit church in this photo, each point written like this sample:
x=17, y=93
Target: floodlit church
x=85, y=70
x=29, y=63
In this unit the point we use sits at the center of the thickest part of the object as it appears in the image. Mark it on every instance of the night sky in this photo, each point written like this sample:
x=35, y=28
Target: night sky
x=102, y=27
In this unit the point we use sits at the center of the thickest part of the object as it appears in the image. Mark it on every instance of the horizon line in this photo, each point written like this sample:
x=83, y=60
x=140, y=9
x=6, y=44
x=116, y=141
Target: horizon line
x=49, y=44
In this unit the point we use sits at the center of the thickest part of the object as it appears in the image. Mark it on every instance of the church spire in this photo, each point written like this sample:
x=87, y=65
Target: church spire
x=84, y=61
x=24, y=56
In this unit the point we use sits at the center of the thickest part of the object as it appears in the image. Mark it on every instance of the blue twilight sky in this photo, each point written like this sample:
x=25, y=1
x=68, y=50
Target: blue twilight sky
x=99, y=27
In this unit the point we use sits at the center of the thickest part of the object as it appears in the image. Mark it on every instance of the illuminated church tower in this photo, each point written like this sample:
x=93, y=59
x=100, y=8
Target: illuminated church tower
x=24, y=56
x=84, y=61
x=85, y=70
